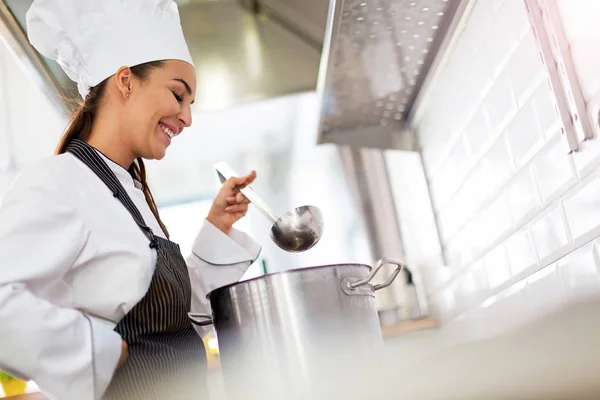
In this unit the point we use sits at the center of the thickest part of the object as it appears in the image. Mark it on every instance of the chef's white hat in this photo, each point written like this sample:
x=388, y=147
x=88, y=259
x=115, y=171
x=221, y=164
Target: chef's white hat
x=92, y=39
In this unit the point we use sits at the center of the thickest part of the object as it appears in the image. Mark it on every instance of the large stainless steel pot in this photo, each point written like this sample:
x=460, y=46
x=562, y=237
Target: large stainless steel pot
x=287, y=327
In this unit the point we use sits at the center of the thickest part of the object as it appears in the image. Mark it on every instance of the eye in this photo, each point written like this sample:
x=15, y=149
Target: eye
x=178, y=97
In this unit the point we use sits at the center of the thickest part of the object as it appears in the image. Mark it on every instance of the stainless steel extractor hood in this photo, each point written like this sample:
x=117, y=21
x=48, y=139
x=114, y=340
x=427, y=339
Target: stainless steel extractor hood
x=376, y=57
x=306, y=18
x=241, y=55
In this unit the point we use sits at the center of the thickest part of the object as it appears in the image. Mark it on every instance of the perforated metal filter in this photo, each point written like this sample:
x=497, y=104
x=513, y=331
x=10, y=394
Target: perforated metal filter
x=380, y=54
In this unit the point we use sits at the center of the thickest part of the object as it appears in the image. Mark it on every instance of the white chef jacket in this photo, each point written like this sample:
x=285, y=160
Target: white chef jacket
x=73, y=262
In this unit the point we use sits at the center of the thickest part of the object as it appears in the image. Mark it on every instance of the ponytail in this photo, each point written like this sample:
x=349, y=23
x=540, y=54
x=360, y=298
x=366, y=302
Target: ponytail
x=81, y=123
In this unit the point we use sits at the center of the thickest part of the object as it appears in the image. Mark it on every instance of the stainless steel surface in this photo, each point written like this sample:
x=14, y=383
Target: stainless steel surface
x=200, y=319
x=240, y=56
x=307, y=18
x=379, y=55
x=368, y=175
x=570, y=83
x=282, y=327
x=368, y=278
x=560, y=98
x=297, y=230
x=54, y=83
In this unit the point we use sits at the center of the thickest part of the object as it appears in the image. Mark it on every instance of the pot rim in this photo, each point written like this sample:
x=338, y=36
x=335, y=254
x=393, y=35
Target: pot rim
x=369, y=268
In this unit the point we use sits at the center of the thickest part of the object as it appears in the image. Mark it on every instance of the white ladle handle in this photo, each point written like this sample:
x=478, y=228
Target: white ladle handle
x=225, y=172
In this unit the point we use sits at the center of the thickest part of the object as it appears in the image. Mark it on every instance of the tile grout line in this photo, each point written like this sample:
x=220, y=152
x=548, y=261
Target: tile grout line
x=503, y=287
x=502, y=239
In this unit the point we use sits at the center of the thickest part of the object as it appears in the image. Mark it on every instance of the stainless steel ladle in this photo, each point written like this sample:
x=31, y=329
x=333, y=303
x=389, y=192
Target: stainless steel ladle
x=296, y=231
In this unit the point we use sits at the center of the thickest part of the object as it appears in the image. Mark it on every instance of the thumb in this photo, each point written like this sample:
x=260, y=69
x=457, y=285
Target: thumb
x=239, y=181
x=232, y=182
x=245, y=180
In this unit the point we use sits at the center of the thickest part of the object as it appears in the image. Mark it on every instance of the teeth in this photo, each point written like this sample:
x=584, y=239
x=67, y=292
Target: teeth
x=167, y=131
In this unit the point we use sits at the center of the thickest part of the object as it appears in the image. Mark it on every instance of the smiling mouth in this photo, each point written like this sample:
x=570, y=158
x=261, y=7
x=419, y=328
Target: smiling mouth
x=166, y=130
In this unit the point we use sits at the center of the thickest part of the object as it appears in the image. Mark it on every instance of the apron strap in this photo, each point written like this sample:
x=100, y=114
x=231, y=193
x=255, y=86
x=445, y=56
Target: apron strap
x=89, y=156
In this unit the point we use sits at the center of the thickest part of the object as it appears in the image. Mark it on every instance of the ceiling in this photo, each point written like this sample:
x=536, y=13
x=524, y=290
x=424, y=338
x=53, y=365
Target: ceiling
x=241, y=55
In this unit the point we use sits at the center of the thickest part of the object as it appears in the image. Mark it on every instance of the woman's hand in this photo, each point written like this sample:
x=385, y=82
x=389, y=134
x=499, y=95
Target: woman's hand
x=230, y=205
x=124, y=353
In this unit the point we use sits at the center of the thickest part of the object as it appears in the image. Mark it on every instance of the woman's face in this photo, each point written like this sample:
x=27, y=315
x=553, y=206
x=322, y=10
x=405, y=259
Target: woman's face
x=159, y=108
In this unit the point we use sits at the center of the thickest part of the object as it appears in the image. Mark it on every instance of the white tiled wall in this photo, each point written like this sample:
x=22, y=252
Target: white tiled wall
x=519, y=218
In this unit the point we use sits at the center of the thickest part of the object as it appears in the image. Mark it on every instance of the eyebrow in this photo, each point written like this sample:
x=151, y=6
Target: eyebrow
x=188, y=89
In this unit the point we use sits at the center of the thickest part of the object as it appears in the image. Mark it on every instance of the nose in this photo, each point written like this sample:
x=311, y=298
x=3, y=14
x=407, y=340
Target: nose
x=185, y=116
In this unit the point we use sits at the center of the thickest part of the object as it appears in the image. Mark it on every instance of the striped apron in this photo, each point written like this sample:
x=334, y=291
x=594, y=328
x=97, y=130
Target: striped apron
x=166, y=355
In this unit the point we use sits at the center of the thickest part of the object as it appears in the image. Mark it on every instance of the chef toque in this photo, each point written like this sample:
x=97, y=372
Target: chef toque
x=92, y=39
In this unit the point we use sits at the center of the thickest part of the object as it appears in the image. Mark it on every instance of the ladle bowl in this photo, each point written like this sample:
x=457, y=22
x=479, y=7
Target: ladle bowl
x=297, y=230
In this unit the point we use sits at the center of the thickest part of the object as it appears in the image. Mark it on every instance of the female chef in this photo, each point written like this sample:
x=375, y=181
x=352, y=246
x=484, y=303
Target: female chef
x=93, y=296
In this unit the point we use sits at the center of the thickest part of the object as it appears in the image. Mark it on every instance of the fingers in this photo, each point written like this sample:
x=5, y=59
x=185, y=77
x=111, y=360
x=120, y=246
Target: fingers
x=238, y=199
x=245, y=180
x=237, y=208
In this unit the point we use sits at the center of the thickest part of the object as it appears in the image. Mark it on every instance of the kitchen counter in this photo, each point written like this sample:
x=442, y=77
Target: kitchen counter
x=557, y=357
x=408, y=326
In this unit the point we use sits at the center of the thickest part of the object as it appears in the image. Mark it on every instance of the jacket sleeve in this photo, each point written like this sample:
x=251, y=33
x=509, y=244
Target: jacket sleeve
x=217, y=260
x=68, y=354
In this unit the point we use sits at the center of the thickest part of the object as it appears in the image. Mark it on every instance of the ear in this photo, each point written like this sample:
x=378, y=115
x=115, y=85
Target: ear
x=124, y=80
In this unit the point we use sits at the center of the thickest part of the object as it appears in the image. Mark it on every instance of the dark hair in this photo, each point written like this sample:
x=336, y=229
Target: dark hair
x=80, y=127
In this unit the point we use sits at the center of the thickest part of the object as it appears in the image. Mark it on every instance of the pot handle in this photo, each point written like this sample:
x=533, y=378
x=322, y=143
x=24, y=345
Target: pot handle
x=207, y=319
x=380, y=263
